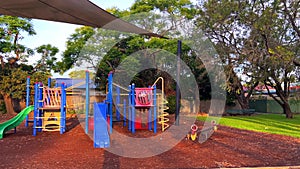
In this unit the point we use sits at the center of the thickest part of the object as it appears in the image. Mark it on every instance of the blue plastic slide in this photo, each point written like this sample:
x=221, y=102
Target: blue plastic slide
x=101, y=136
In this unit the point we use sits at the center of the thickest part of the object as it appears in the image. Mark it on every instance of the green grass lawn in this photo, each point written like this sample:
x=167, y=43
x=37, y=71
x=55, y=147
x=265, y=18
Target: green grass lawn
x=268, y=123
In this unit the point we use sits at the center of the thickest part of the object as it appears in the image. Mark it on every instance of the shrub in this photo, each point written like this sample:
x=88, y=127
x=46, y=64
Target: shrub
x=171, y=104
x=2, y=107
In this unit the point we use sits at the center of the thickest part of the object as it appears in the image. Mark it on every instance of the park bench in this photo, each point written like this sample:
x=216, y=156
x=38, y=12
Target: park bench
x=233, y=112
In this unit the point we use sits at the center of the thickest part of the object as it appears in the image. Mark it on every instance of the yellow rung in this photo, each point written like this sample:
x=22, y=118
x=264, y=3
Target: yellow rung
x=51, y=129
x=161, y=104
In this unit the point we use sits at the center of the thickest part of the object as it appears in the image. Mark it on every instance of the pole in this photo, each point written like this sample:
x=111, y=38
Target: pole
x=27, y=98
x=177, y=83
x=118, y=104
x=36, y=98
x=129, y=108
x=87, y=101
x=110, y=100
x=49, y=82
x=133, y=108
x=40, y=104
x=154, y=110
x=124, y=112
x=63, y=108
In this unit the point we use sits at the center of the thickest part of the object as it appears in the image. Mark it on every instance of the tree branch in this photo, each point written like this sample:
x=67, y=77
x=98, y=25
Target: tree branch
x=291, y=19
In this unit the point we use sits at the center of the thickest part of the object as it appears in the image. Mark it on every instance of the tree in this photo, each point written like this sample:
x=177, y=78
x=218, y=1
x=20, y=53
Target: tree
x=80, y=74
x=273, y=38
x=10, y=33
x=112, y=48
x=48, y=59
x=11, y=53
x=13, y=56
x=291, y=10
x=257, y=38
x=75, y=44
x=166, y=16
x=219, y=22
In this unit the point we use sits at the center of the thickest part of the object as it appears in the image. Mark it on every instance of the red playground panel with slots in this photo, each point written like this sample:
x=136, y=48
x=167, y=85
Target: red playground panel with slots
x=143, y=97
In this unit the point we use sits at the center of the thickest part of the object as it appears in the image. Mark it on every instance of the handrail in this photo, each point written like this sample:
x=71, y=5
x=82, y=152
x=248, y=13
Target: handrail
x=162, y=85
x=120, y=87
x=74, y=86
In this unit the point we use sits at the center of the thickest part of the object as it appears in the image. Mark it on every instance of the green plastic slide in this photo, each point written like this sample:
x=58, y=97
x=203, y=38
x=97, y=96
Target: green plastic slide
x=15, y=121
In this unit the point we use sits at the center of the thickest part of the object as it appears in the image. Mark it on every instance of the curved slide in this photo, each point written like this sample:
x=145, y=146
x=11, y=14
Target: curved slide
x=15, y=121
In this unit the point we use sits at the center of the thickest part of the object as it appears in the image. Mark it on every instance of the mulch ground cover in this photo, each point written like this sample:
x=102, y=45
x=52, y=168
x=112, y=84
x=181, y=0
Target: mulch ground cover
x=227, y=147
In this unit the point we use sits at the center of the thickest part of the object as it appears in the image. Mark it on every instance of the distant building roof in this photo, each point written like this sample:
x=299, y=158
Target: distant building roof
x=77, y=83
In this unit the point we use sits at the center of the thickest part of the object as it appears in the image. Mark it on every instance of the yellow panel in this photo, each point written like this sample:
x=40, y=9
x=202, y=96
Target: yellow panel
x=51, y=121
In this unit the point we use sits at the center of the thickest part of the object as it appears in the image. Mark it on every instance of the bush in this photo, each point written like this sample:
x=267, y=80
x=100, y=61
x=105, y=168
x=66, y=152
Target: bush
x=2, y=107
x=171, y=104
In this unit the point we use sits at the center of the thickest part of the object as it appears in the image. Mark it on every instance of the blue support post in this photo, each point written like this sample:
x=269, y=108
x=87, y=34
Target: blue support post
x=110, y=100
x=40, y=103
x=87, y=101
x=149, y=119
x=36, y=98
x=133, y=109
x=27, y=98
x=63, y=109
x=129, y=108
x=49, y=82
x=154, y=110
x=150, y=115
x=117, y=104
x=124, y=112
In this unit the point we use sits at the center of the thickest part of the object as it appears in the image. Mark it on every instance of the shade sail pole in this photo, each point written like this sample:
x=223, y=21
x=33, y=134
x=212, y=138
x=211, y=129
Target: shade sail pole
x=177, y=83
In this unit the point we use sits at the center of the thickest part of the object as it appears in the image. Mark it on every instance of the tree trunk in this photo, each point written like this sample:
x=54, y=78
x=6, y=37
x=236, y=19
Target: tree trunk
x=287, y=110
x=8, y=104
x=243, y=101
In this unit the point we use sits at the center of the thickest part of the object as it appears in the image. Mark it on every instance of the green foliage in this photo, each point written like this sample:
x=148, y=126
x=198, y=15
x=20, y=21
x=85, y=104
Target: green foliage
x=80, y=74
x=112, y=48
x=75, y=44
x=256, y=38
x=11, y=29
x=171, y=104
x=13, y=83
x=131, y=65
x=2, y=107
x=15, y=25
x=48, y=59
x=175, y=7
x=230, y=99
x=13, y=56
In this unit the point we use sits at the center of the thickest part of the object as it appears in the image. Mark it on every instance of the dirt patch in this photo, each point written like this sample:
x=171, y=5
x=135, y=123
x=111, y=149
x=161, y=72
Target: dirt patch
x=228, y=147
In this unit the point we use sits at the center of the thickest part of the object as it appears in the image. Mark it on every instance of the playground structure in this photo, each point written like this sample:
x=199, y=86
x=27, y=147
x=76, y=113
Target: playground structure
x=141, y=108
x=49, y=107
x=142, y=103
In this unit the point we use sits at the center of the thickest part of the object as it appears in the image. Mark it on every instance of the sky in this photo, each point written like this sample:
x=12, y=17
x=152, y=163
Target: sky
x=56, y=33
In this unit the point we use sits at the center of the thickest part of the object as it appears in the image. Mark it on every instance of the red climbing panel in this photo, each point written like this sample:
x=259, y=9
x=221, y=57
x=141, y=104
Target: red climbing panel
x=143, y=97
